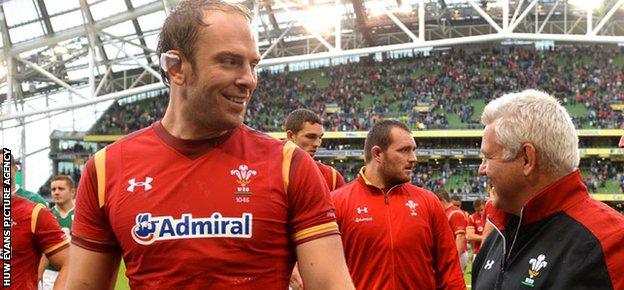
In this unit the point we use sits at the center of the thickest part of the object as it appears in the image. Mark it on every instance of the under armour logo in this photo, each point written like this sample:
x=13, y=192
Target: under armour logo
x=361, y=210
x=146, y=184
x=488, y=264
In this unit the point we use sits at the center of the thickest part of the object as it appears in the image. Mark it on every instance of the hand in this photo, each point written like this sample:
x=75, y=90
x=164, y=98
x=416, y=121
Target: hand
x=296, y=283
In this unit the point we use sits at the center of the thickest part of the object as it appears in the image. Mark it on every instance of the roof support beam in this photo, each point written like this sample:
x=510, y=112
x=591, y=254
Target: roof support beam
x=607, y=16
x=45, y=16
x=79, y=31
x=485, y=15
x=51, y=77
x=139, y=32
x=522, y=16
x=360, y=15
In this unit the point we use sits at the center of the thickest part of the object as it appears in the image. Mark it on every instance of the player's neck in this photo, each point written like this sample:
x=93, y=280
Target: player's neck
x=374, y=176
x=65, y=207
x=181, y=128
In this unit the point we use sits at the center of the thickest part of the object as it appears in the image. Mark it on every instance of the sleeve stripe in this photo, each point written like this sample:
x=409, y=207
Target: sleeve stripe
x=334, y=179
x=456, y=212
x=315, y=230
x=33, y=217
x=288, y=150
x=100, y=170
x=91, y=240
x=55, y=247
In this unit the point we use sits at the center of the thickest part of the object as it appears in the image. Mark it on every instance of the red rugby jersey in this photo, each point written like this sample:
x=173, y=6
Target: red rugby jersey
x=34, y=231
x=476, y=222
x=397, y=238
x=488, y=210
x=224, y=213
x=457, y=220
x=333, y=178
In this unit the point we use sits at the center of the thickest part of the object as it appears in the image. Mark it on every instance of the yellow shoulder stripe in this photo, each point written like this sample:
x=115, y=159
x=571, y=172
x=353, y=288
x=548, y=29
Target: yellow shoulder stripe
x=334, y=178
x=100, y=170
x=53, y=248
x=34, y=216
x=288, y=150
x=315, y=230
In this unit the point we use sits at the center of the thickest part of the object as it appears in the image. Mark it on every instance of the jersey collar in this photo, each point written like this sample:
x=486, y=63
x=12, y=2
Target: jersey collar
x=559, y=196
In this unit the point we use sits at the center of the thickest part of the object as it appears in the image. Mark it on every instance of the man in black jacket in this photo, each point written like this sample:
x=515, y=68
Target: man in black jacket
x=549, y=233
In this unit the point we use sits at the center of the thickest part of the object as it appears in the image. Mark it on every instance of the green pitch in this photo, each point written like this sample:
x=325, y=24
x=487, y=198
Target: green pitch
x=122, y=280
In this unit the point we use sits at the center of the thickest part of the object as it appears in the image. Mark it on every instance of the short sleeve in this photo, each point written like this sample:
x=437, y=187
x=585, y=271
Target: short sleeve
x=48, y=234
x=458, y=222
x=447, y=271
x=311, y=213
x=91, y=228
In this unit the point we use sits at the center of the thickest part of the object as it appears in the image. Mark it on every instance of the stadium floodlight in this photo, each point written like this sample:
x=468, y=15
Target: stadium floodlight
x=586, y=4
x=319, y=19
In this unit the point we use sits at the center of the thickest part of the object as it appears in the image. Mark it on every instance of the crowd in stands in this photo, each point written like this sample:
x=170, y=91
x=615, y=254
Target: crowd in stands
x=124, y=119
x=600, y=172
x=353, y=96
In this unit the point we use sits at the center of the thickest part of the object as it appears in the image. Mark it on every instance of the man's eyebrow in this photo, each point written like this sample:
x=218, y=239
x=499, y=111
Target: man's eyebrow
x=224, y=54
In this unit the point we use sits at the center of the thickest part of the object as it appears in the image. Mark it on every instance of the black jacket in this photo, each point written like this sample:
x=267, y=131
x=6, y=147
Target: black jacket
x=563, y=239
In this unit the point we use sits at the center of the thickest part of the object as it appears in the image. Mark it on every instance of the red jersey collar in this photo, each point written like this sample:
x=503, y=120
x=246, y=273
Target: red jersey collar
x=190, y=148
x=559, y=196
x=362, y=179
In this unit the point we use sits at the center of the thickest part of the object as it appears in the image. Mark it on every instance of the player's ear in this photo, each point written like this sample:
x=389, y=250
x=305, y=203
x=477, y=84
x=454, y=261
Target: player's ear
x=176, y=66
x=290, y=135
x=376, y=153
x=529, y=156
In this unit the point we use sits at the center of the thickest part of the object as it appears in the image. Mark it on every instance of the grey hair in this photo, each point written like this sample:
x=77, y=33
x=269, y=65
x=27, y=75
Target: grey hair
x=534, y=117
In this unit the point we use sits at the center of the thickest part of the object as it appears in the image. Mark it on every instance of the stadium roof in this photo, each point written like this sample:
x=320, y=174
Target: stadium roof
x=109, y=45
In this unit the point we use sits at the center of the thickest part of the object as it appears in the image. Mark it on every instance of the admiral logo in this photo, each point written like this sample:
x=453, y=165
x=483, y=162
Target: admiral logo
x=243, y=175
x=147, y=184
x=149, y=229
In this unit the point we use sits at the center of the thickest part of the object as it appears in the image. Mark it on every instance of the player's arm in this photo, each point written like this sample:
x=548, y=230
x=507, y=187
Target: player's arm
x=42, y=266
x=59, y=261
x=95, y=252
x=460, y=241
x=52, y=240
x=458, y=224
x=322, y=264
x=447, y=271
x=313, y=222
x=92, y=270
x=472, y=236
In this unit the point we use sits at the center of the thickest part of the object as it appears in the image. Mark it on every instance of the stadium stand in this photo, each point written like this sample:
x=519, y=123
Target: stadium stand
x=446, y=90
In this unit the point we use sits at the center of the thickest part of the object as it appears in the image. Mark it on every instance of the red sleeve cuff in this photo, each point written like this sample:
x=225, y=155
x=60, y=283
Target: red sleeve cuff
x=92, y=245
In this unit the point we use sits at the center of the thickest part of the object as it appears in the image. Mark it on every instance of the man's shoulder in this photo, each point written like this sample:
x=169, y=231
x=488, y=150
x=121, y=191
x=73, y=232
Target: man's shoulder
x=323, y=167
x=258, y=136
x=605, y=223
x=32, y=196
x=349, y=190
x=420, y=192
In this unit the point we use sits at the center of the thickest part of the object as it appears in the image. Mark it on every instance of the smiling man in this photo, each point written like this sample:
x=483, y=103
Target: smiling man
x=549, y=233
x=198, y=200
x=395, y=235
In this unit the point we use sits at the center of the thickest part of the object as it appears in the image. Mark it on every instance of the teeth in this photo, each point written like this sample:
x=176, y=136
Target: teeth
x=237, y=100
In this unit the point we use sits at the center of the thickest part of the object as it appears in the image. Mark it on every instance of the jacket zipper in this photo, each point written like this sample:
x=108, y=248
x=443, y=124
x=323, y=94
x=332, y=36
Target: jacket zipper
x=506, y=255
x=386, y=201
